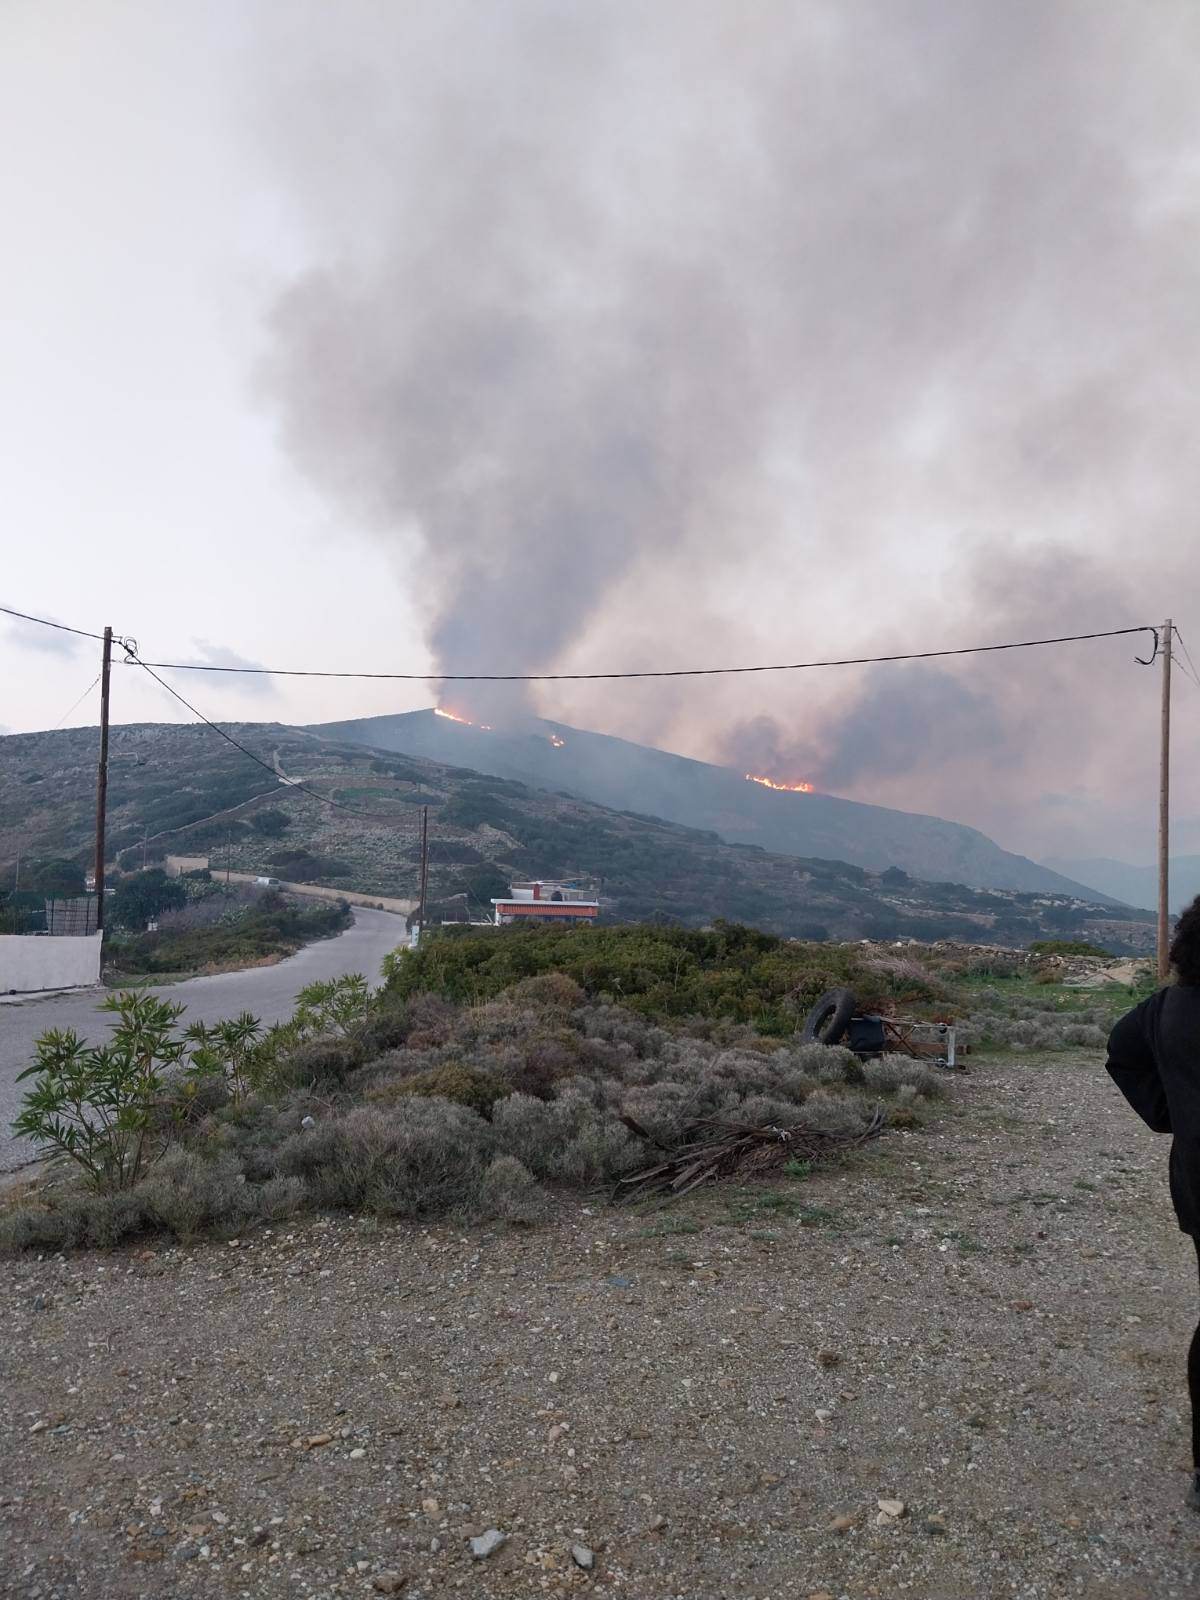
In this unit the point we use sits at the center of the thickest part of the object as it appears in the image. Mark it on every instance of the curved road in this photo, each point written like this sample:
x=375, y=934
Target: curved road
x=269, y=992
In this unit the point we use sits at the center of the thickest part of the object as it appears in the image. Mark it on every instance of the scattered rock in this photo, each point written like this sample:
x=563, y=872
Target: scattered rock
x=823, y=1415
x=40, y=1303
x=39, y=1427
x=843, y=1523
x=387, y=1583
x=935, y=1525
x=431, y=1507
x=657, y=1523
x=619, y=1282
x=308, y=1122
x=892, y=1508
x=357, y=1454
x=488, y=1543
x=583, y=1557
x=316, y=1440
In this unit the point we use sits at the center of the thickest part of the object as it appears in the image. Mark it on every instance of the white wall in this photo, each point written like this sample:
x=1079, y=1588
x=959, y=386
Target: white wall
x=37, y=961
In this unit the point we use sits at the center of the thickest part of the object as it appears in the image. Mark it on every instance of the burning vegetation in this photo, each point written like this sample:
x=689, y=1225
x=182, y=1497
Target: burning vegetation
x=453, y=716
x=770, y=783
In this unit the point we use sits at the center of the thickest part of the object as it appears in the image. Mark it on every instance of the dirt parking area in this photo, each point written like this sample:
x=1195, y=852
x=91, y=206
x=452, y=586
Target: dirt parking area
x=981, y=1323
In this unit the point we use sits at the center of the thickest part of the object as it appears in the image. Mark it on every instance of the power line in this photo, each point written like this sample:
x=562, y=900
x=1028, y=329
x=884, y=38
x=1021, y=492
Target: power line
x=671, y=672
x=44, y=622
x=78, y=702
x=1190, y=669
x=580, y=677
x=300, y=788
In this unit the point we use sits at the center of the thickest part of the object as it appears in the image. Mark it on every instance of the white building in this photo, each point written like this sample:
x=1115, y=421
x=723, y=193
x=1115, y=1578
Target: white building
x=545, y=901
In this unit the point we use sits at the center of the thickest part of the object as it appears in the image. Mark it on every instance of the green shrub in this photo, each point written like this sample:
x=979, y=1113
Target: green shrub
x=97, y=1104
x=547, y=989
x=454, y=1081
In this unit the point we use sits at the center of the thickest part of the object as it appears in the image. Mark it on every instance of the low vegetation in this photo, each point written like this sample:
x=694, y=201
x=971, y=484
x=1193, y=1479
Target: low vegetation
x=218, y=932
x=490, y=1075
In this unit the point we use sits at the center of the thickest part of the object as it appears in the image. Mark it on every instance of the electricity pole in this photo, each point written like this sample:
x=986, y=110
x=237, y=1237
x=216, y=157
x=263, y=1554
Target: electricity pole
x=1164, y=808
x=102, y=778
x=424, y=873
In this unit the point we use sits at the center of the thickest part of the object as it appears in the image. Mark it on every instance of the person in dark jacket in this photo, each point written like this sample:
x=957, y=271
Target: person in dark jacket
x=1154, y=1059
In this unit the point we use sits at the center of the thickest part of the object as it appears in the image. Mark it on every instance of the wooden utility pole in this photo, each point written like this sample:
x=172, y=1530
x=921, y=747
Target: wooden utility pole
x=1164, y=808
x=424, y=873
x=102, y=778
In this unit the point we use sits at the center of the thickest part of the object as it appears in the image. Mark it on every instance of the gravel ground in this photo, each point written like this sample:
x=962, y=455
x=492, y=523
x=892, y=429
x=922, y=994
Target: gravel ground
x=984, y=1320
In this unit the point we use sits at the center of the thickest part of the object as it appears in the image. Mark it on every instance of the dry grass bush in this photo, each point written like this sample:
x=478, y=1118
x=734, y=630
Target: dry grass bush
x=324, y=1062
x=188, y=1195
x=903, y=973
x=826, y=1112
x=568, y=1140
x=455, y=1081
x=894, y=1074
x=509, y=1192
x=416, y=1158
x=253, y=1130
x=185, y=1195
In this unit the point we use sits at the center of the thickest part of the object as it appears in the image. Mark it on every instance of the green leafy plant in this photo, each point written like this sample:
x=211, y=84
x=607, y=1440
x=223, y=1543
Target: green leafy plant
x=229, y=1049
x=96, y=1103
x=332, y=1005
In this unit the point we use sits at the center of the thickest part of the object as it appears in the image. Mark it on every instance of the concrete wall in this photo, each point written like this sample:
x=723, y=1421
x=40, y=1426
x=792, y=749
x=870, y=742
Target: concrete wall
x=373, y=902
x=36, y=961
x=176, y=866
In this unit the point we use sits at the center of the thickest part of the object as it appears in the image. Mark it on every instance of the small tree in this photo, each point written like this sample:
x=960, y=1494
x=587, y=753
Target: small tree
x=271, y=822
x=96, y=1103
x=56, y=880
x=143, y=895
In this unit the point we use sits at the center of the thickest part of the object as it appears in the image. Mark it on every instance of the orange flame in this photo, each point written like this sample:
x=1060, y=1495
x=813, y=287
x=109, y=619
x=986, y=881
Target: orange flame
x=453, y=716
x=769, y=783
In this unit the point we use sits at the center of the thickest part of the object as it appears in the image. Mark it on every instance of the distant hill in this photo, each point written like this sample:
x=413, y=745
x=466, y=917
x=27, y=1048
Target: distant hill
x=1136, y=886
x=182, y=790
x=615, y=772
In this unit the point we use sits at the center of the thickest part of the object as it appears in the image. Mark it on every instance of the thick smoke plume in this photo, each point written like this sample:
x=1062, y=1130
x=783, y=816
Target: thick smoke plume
x=665, y=334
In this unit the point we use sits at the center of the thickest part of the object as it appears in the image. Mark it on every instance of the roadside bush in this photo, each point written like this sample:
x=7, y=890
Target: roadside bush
x=417, y=1158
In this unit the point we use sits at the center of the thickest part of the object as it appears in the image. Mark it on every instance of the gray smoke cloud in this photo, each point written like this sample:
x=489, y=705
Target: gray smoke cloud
x=644, y=334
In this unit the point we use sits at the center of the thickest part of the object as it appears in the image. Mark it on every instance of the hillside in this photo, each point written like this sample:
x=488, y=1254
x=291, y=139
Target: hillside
x=1136, y=886
x=616, y=773
x=184, y=790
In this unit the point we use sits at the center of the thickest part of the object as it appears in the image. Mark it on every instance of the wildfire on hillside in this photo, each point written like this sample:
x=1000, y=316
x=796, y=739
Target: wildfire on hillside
x=453, y=716
x=769, y=783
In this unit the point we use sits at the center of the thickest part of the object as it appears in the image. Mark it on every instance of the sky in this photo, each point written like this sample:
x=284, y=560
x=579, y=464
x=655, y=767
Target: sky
x=563, y=337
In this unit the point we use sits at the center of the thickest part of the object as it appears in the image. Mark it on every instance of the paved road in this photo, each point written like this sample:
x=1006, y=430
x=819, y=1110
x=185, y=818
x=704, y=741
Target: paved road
x=269, y=992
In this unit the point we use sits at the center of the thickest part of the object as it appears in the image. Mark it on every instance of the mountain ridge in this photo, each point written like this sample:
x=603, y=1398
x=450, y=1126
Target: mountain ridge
x=616, y=772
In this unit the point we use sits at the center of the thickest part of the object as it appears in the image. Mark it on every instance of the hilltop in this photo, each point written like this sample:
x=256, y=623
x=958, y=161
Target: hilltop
x=616, y=772
x=182, y=789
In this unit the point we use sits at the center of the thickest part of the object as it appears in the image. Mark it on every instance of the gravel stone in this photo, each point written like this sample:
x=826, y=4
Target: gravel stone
x=1051, y=1441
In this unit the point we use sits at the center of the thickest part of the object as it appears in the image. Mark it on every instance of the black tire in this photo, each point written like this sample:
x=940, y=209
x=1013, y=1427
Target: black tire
x=828, y=1020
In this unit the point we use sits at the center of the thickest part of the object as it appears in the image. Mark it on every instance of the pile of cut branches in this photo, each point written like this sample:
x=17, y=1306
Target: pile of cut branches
x=722, y=1149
